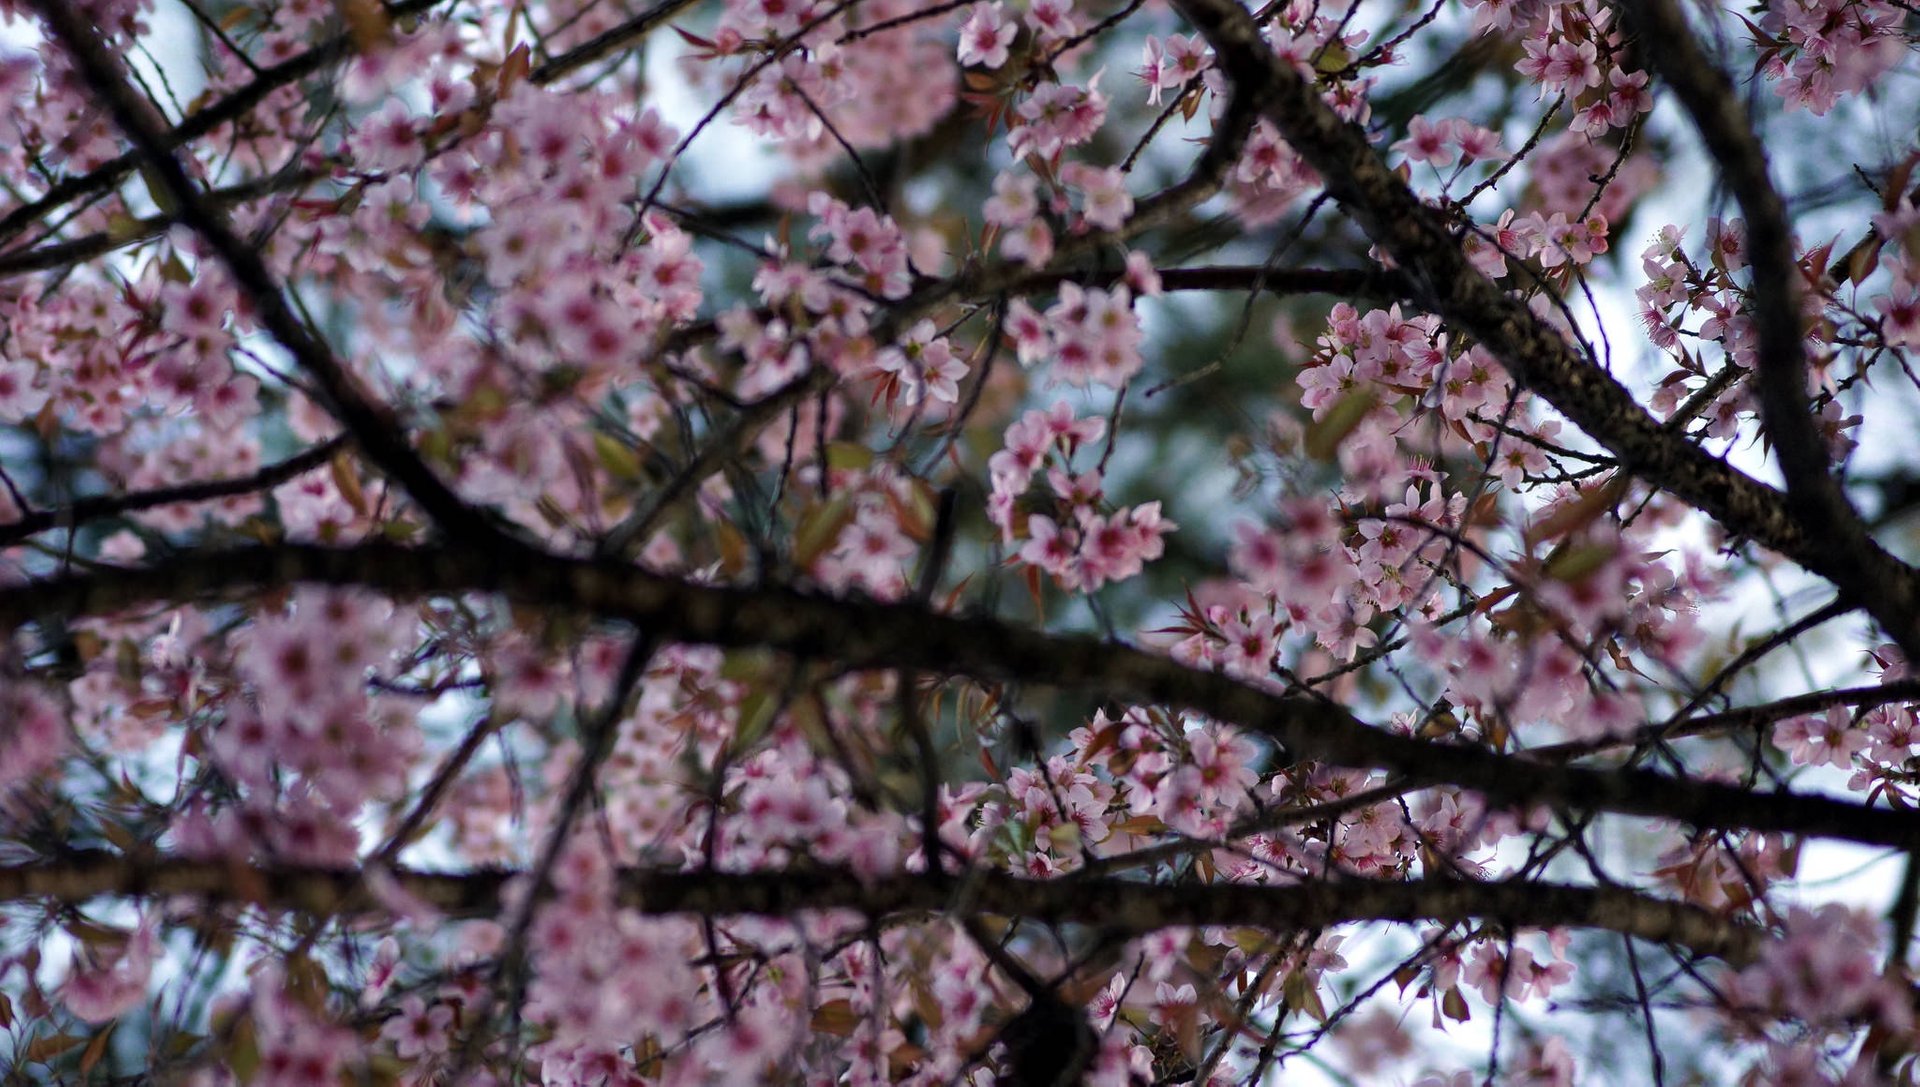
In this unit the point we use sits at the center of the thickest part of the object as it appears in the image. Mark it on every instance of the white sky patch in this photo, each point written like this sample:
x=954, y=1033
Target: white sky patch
x=726, y=162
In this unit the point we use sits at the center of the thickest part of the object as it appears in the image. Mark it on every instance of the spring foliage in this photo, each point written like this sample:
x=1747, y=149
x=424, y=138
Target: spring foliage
x=1014, y=541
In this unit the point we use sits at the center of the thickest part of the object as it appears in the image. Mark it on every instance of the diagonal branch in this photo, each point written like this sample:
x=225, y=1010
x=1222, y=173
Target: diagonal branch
x=373, y=429
x=1536, y=355
x=596, y=743
x=56, y=255
x=862, y=633
x=1112, y=905
x=610, y=41
x=242, y=100
x=226, y=110
x=1864, y=573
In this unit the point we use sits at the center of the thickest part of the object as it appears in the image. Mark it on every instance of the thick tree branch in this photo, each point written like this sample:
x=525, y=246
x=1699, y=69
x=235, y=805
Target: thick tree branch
x=1537, y=356
x=863, y=633
x=1111, y=905
x=1865, y=574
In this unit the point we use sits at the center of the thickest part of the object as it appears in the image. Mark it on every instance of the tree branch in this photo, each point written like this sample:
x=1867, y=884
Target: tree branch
x=237, y=103
x=1112, y=905
x=230, y=108
x=610, y=41
x=1370, y=283
x=55, y=255
x=1536, y=355
x=112, y=505
x=373, y=429
x=1743, y=719
x=861, y=633
x=1864, y=573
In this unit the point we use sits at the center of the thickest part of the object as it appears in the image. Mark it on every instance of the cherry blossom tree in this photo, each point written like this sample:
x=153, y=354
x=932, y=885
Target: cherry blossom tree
x=958, y=541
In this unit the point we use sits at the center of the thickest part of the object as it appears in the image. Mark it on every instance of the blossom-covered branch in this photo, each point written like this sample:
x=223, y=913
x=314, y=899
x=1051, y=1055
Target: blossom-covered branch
x=859, y=633
x=84, y=510
x=374, y=429
x=1114, y=906
x=1860, y=568
x=1070, y=564
x=1537, y=354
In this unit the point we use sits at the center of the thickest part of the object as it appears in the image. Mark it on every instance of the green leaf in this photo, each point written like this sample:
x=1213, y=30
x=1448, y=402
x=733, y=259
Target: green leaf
x=1325, y=434
x=620, y=461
